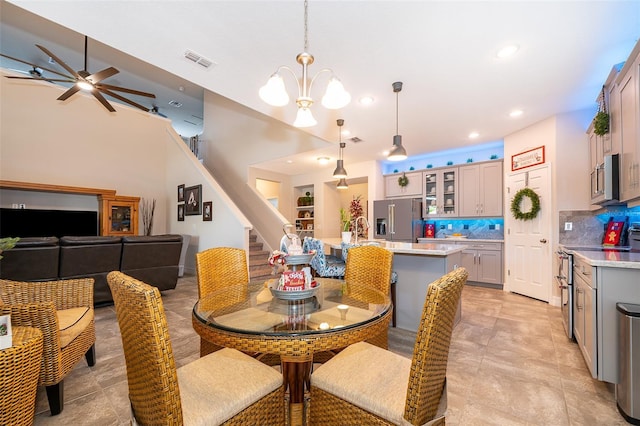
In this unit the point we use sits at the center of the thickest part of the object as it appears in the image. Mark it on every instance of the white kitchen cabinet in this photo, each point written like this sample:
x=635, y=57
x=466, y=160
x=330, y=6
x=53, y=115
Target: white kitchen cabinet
x=483, y=261
x=480, y=193
x=440, y=193
x=413, y=189
x=628, y=86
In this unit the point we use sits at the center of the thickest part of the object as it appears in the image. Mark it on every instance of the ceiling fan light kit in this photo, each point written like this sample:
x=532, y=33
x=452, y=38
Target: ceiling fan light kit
x=83, y=80
x=397, y=153
x=274, y=92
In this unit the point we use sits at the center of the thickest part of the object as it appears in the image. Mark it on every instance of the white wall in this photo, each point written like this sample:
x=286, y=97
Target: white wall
x=79, y=143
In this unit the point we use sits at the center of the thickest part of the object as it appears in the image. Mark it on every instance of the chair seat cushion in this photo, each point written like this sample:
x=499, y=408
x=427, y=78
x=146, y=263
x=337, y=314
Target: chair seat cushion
x=228, y=379
x=72, y=322
x=369, y=377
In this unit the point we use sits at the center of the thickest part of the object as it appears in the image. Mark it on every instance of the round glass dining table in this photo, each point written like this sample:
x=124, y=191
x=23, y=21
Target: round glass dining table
x=256, y=320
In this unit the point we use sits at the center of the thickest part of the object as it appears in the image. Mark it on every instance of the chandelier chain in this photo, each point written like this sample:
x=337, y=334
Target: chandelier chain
x=306, y=27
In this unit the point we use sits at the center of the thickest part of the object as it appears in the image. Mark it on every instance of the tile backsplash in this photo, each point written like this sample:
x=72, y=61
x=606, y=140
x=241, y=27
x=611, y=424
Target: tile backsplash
x=486, y=229
x=588, y=227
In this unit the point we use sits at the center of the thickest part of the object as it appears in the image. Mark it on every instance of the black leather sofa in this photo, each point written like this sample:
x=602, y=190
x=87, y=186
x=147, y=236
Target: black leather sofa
x=152, y=259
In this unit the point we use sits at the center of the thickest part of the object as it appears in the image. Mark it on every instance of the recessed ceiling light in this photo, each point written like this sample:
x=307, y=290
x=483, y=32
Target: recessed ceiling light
x=507, y=51
x=366, y=100
x=289, y=161
x=473, y=135
x=345, y=132
x=515, y=113
x=323, y=160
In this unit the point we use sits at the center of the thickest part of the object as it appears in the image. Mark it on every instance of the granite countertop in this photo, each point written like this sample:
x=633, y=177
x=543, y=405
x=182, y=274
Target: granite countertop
x=425, y=249
x=471, y=240
x=607, y=258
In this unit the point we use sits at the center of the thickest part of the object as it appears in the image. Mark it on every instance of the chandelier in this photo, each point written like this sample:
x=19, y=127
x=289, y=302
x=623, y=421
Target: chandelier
x=275, y=94
x=397, y=153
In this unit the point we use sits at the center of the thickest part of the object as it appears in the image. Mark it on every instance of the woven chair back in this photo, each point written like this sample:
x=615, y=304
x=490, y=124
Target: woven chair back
x=220, y=267
x=431, y=350
x=151, y=371
x=368, y=266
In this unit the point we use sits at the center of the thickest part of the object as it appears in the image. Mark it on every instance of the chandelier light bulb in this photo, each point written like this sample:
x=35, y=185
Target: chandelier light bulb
x=274, y=92
x=335, y=97
x=304, y=118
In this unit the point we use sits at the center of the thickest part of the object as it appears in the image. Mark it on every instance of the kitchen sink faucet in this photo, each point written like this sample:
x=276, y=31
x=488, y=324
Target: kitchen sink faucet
x=356, y=225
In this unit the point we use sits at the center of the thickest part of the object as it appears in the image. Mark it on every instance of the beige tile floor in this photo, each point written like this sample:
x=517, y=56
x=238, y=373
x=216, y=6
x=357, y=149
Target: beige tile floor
x=510, y=364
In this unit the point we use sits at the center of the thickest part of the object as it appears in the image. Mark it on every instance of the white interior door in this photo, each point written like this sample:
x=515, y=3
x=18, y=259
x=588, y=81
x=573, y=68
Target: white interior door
x=528, y=249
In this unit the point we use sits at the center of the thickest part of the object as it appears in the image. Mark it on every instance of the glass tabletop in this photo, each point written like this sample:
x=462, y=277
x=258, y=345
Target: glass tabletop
x=256, y=309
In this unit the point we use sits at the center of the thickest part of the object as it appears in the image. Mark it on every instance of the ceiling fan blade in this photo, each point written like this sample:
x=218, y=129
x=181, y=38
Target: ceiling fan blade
x=59, y=61
x=124, y=89
x=41, y=78
x=37, y=66
x=123, y=99
x=66, y=95
x=103, y=101
x=101, y=75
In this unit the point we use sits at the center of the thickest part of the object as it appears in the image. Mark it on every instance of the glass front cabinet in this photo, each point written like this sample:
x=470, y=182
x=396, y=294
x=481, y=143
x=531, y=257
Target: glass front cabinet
x=118, y=215
x=440, y=193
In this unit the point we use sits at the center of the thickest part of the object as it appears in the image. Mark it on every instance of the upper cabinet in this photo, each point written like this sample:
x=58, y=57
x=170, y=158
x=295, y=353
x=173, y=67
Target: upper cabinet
x=413, y=188
x=440, y=193
x=622, y=97
x=628, y=88
x=480, y=193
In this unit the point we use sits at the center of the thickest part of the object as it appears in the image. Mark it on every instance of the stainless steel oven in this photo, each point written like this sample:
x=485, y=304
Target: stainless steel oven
x=564, y=280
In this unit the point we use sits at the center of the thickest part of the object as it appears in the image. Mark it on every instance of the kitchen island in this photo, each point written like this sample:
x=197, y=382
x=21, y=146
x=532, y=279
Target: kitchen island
x=417, y=265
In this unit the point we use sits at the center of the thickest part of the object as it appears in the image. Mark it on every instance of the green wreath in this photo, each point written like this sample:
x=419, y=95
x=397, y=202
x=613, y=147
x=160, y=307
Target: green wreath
x=403, y=180
x=517, y=199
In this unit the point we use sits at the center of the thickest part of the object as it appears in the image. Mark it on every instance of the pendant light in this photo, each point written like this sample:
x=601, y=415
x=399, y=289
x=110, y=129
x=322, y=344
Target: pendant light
x=342, y=184
x=275, y=94
x=397, y=153
x=340, y=172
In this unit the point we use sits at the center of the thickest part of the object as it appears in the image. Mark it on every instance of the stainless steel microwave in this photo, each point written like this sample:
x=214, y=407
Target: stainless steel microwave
x=605, y=181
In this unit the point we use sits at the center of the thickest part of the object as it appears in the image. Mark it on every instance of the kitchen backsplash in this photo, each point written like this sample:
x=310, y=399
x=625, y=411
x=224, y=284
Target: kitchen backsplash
x=587, y=228
x=486, y=229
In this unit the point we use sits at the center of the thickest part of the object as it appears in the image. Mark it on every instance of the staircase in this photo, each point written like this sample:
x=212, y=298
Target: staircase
x=259, y=268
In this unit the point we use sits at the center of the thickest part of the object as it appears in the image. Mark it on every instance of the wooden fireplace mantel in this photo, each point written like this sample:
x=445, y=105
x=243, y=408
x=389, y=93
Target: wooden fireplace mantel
x=44, y=187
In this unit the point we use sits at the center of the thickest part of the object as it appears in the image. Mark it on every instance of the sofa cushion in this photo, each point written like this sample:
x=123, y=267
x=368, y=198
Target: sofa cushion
x=32, y=259
x=72, y=322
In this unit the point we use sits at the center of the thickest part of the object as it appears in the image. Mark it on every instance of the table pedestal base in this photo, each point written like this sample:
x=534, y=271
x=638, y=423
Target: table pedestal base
x=296, y=374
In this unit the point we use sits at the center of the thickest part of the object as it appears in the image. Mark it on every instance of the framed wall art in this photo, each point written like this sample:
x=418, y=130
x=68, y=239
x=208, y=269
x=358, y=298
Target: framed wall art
x=181, y=193
x=180, y=212
x=207, y=213
x=193, y=200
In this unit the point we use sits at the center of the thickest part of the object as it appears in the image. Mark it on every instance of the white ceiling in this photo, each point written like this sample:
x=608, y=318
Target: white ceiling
x=443, y=51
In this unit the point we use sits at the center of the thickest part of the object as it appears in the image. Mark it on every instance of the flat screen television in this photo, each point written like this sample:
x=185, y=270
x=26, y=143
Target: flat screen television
x=47, y=223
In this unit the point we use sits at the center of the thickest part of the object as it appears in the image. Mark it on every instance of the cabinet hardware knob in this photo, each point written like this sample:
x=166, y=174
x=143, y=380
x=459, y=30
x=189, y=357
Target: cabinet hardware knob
x=543, y=241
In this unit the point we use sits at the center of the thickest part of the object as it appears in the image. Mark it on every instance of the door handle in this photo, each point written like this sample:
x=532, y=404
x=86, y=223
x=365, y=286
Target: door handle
x=543, y=241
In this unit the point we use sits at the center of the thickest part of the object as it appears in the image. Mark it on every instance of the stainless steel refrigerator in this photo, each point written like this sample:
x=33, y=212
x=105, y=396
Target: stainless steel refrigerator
x=398, y=220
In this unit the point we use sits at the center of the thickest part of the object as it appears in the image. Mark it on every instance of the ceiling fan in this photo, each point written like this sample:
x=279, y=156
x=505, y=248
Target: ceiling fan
x=83, y=80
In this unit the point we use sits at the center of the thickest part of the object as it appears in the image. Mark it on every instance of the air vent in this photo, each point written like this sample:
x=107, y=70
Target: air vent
x=198, y=59
x=175, y=104
x=355, y=139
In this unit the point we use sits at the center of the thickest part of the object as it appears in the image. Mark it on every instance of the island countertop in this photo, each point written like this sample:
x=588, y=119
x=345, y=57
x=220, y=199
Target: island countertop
x=424, y=249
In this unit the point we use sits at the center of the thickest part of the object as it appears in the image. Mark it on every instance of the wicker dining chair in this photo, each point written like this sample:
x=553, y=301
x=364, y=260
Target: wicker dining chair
x=226, y=387
x=63, y=311
x=365, y=384
x=217, y=268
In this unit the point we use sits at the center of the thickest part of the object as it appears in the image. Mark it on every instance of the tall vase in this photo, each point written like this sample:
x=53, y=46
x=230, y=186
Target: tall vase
x=346, y=237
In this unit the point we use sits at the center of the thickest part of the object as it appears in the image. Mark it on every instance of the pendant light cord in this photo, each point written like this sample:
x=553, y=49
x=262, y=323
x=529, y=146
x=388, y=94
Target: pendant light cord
x=397, y=115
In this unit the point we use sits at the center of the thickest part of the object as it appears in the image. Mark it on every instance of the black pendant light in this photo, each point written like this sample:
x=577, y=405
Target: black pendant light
x=340, y=172
x=397, y=153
